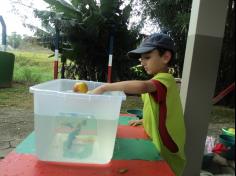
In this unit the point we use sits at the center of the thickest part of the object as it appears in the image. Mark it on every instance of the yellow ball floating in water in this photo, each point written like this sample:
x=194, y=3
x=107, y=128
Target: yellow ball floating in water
x=80, y=87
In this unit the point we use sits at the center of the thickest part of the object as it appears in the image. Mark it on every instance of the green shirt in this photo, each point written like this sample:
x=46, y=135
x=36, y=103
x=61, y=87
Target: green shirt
x=174, y=122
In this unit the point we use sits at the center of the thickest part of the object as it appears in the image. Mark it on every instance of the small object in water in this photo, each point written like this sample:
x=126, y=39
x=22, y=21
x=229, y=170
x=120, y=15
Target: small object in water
x=73, y=134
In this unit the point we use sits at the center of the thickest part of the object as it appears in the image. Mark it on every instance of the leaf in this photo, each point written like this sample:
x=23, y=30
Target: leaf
x=109, y=7
x=84, y=38
x=126, y=12
x=75, y=3
x=66, y=8
x=52, y=55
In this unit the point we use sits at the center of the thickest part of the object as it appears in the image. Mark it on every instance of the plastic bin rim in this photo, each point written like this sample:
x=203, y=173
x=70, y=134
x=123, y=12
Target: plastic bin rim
x=34, y=89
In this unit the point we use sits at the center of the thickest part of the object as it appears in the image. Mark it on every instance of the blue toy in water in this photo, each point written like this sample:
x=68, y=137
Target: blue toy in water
x=79, y=144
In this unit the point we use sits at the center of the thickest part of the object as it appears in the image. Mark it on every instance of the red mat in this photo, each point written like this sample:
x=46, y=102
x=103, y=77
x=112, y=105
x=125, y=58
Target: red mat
x=28, y=165
x=131, y=132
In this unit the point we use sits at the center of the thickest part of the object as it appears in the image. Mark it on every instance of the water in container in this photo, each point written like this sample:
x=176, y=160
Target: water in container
x=75, y=138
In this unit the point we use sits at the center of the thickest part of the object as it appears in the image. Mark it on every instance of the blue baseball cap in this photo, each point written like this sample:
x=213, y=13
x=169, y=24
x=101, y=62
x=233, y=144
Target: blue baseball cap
x=154, y=41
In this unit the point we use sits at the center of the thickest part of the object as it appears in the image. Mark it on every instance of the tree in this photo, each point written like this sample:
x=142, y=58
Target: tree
x=85, y=28
x=173, y=18
x=226, y=73
x=14, y=40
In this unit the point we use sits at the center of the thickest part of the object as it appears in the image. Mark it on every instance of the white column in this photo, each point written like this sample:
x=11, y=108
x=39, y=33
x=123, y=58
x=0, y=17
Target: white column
x=202, y=58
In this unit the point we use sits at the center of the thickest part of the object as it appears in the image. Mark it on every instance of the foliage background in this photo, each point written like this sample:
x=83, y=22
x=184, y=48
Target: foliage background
x=86, y=27
x=173, y=18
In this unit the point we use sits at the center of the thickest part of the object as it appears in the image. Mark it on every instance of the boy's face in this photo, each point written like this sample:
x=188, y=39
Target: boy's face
x=153, y=63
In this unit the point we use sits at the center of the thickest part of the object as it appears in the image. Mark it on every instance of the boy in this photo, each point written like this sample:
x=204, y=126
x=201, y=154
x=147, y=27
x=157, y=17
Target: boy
x=162, y=112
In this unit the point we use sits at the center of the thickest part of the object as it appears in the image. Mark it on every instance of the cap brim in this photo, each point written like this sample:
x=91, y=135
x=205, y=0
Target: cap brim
x=137, y=52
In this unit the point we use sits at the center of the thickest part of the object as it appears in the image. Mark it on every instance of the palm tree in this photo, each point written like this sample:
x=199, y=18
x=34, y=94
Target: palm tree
x=85, y=27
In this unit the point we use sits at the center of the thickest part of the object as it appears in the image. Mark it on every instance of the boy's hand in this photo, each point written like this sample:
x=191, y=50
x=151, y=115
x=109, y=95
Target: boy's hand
x=98, y=90
x=135, y=122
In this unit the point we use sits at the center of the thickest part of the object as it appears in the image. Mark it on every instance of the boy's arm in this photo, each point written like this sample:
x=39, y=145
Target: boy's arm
x=130, y=87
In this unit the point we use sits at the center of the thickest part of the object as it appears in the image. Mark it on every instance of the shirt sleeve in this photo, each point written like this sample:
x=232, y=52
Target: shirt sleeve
x=160, y=94
x=160, y=97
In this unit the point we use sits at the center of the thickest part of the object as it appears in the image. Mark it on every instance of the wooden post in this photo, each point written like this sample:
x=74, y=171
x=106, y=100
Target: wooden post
x=205, y=37
x=111, y=45
x=56, y=53
x=110, y=58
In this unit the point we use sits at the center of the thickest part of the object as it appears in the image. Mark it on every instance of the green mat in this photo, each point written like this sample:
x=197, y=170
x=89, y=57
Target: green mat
x=27, y=146
x=125, y=149
x=135, y=149
x=124, y=120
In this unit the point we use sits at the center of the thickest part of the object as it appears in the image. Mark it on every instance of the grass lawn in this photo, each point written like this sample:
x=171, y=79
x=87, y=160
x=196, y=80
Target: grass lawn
x=33, y=67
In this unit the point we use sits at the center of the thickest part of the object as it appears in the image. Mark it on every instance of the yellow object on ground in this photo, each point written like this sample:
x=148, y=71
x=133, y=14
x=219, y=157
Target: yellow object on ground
x=231, y=130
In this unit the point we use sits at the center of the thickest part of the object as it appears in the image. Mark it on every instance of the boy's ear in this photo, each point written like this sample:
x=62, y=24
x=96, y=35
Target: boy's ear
x=167, y=57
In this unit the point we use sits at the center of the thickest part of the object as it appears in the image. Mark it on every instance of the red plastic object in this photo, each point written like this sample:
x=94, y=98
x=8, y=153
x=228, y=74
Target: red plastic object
x=219, y=148
x=109, y=74
x=55, y=74
x=222, y=94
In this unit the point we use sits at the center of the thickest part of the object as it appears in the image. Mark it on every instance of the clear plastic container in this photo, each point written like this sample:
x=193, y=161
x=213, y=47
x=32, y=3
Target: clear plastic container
x=72, y=127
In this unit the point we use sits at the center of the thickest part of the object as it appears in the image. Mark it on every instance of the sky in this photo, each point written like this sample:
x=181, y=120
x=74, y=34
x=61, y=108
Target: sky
x=14, y=19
